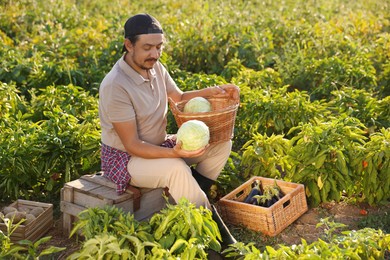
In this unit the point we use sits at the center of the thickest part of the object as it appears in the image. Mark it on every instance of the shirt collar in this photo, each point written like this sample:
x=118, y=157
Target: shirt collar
x=129, y=71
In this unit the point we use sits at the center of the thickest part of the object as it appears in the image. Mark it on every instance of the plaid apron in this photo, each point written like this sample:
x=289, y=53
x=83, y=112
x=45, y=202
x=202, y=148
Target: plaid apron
x=114, y=165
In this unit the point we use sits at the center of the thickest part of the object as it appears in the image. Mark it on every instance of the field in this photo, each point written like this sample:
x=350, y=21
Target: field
x=314, y=79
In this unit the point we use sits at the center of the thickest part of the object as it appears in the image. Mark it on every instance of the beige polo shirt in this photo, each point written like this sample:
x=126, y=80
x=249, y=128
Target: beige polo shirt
x=125, y=95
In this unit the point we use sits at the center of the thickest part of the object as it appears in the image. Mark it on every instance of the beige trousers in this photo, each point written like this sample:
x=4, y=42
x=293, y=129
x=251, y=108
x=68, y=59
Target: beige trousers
x=175, y=173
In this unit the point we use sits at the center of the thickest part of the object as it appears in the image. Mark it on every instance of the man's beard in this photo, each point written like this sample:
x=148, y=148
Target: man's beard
x=146, y=67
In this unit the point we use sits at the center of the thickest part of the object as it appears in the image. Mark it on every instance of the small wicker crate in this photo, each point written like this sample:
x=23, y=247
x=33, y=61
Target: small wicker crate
x=270, y=221
x=220, y=120
x=36, y=228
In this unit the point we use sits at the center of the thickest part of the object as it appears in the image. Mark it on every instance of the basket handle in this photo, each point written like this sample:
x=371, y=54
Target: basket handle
x=172, y=104
x=238, y=192
x=286, y=200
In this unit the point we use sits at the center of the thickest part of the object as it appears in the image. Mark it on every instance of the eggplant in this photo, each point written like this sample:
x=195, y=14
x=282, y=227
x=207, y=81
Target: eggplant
x=277, y=191
x=268, y=203
x=259, y=200
x=274, y=200
x=256, y=190
x=264, y=197
x=267, y=198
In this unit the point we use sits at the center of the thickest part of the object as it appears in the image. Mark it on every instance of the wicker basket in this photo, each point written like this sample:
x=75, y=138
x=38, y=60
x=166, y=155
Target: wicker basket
x=270, y=221
x=220, y=120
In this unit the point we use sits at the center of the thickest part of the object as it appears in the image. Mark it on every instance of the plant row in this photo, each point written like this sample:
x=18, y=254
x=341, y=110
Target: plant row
x=54, y=137
x=315, y=78
x=317, y=47
x=186, y=232
x=332, y=159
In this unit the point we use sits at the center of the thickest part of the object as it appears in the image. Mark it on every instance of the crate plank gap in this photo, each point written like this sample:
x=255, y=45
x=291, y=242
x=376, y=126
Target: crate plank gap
x=36, y=228
x=270, y=221
x=95, y=190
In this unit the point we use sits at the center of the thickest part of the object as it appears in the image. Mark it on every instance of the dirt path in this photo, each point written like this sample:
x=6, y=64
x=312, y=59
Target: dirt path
x=350, y=215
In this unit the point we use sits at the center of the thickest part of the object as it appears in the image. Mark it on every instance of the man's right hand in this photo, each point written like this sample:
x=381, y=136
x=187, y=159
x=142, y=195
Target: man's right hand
x=188, y=154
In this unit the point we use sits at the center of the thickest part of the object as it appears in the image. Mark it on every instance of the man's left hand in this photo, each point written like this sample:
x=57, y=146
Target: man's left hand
x=228, y=90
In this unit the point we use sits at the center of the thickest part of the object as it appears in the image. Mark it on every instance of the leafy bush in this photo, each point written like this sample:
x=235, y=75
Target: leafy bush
x=47, y=141
x=23, y=249
x=373, y=164
x=181, y=230
x=366, y=243
x=314, y=80
x=376, y=221
x=321, y=158
x=360, y=104
x=295, y=63
x=186, y=232
x=265, y=156
x=275, y=111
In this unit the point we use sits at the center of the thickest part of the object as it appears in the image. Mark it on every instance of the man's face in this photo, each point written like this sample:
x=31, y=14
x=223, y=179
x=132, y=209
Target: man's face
x=146, y=51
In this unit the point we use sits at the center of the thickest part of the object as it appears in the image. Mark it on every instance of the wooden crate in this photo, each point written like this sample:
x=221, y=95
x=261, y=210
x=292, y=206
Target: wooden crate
x=36, y=228
x=270, y=221
x=97, y=191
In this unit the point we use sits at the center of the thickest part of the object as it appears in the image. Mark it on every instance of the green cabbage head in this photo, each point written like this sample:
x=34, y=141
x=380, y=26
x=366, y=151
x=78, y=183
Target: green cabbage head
x=197, y=105
x=193, y=134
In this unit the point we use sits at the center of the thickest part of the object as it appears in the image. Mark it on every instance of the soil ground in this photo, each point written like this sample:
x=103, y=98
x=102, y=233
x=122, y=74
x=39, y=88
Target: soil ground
x=304, y=227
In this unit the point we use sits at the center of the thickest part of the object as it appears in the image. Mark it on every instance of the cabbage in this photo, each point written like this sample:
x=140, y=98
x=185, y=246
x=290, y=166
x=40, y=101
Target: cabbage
x=197, y=105
x=193, y=134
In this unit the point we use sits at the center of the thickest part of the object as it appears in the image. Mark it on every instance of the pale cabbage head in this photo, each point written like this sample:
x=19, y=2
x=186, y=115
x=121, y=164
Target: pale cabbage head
x=193, y=134
x=197, y=105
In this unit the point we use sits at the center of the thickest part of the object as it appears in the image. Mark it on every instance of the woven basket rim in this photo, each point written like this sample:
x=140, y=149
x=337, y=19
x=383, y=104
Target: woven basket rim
x=176, y=110
x=246, y=185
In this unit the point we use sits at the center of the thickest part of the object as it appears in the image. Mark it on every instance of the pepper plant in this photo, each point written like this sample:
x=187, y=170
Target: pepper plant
x=321, y=156
x=365, y=243
x=373, y=165
x=265, y=156
x=46, y=141
x=178, y=231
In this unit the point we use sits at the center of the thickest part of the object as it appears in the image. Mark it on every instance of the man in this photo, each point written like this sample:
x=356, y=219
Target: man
x=133, y=103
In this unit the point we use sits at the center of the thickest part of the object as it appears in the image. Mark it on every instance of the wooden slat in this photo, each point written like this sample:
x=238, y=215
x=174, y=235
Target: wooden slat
x=83, y=184
x=130, y=193
x=89, y=200
x=67, y=219
x=104, y=192
x=99, y=179
x=70, y=208
x=40, y=229
x=152, y=202
x=32, y=204
x=38, y=233
x=104, y=188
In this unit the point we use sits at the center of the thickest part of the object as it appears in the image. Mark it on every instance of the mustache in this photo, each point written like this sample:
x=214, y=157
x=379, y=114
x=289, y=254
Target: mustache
x=151, y=59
